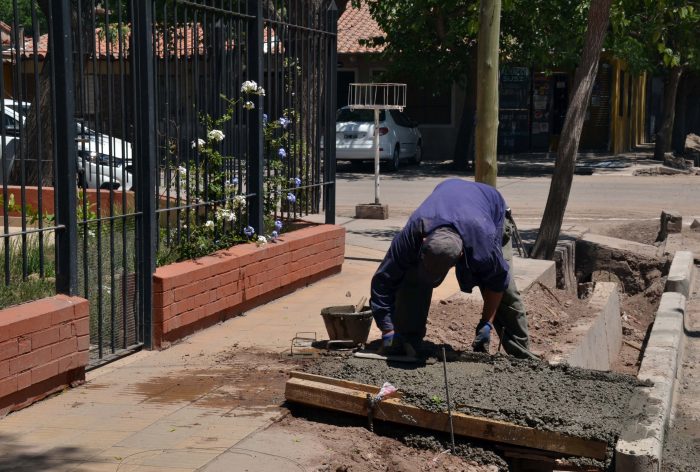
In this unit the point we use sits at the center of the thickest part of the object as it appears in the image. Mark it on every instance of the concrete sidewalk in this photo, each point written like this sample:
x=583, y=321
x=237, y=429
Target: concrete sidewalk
x=184, y=408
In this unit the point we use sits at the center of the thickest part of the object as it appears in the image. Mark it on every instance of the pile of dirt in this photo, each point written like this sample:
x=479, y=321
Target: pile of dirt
x=643, y=231
x=579, y=402
x=551, y=313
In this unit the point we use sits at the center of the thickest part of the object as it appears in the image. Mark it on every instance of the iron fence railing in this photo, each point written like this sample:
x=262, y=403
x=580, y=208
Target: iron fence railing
x=134, y=130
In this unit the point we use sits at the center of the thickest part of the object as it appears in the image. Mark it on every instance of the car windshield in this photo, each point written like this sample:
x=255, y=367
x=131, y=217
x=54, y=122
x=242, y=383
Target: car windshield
x=359, y=116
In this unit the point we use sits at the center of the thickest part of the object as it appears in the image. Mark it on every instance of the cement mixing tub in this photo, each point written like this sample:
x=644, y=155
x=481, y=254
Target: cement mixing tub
x=343, y=323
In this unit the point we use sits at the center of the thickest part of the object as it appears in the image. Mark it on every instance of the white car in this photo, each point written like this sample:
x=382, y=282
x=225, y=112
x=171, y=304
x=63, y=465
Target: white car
x=399, y=137
x=107, y=159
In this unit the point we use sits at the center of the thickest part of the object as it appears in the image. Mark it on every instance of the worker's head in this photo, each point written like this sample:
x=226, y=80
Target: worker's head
x=440, y=252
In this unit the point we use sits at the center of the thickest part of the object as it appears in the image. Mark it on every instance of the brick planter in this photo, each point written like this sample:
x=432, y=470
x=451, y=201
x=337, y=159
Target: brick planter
x=191, y=295
x=43, y=348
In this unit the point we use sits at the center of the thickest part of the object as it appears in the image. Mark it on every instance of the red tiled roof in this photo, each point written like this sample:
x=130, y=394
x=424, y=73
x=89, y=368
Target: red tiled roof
x=180, y=44
x=356, y=24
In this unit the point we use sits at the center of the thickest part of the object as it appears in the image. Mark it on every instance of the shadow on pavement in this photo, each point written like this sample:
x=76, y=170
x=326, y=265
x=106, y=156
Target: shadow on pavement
x=383, y=234
x=522, y=165
x=20, y=458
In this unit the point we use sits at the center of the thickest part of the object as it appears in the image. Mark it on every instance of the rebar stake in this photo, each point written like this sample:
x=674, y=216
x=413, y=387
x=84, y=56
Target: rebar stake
x=447, y=393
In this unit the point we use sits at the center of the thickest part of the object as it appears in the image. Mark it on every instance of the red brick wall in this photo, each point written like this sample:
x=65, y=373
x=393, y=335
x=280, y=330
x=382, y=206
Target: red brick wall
x=191, y=295
x=47, y=199
x=43, y=348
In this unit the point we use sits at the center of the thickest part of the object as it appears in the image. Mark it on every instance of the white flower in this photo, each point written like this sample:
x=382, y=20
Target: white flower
x=249, y=105
x=262, y=240
x=198, y=144
x=231, y=216
x=239, y=200
x=209, y=224
x=182, y=170
x=216, y=135
x=249, y=86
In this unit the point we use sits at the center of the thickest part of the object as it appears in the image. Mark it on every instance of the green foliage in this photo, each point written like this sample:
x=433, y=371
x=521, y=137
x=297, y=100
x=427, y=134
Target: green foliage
x=435, y=35
x=656, y=35
x=24, y=15
x=32, y=287
x=428, y=36
x=218, y=222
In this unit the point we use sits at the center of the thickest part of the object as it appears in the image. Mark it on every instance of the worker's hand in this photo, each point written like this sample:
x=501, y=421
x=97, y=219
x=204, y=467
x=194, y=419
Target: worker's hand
x=483, y=337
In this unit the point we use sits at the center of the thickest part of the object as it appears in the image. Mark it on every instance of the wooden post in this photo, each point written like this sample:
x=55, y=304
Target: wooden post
x=487, y=92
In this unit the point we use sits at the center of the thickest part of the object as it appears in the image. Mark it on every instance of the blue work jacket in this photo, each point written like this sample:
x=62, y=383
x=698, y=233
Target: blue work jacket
x=477, y=212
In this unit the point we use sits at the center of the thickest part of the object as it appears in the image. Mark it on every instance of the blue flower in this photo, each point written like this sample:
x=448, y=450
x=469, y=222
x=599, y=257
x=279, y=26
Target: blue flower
x=265, y=118
x=274, y=235
x=291, y=197
x=234, y=181
x=278, y=225
x=282, y=153
x=284, y=122
x=249, y=231
x=297, y=182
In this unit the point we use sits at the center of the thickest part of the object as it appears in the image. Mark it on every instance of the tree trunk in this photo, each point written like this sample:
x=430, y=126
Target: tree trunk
x=36, y=141
x=464, y=145
x=663, y=137
x=680, y=122
x=548, y=235
x=487, y=92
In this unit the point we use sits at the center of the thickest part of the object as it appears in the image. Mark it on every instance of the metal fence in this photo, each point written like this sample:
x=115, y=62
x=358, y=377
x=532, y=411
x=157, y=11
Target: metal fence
x=187, y=126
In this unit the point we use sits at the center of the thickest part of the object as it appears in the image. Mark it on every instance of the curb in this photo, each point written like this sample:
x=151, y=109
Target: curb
x=641, y=444
x=599, y=338
x=680, y=275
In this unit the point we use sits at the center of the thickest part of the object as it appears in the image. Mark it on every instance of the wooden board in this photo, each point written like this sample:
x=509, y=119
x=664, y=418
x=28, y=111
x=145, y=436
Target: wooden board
x=341, y=395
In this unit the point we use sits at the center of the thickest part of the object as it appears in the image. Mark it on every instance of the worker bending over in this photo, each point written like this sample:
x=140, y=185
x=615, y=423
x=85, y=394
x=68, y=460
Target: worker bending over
x=460, y=224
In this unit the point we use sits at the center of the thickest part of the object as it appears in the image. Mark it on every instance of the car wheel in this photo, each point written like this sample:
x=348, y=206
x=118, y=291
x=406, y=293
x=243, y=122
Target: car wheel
x=395, y=158
x=419, y=154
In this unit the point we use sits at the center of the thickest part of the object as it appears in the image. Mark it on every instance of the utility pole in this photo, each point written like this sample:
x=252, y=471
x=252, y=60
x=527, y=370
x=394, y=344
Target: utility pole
x=487, y=92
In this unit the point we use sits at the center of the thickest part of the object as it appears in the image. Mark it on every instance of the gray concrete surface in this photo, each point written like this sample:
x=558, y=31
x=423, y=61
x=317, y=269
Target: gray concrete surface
x=640, y=446
x=681, y=451
x=681, y=273
x=599, y=338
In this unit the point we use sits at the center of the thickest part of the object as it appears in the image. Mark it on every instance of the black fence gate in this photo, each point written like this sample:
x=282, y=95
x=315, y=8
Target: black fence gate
x=151, y=131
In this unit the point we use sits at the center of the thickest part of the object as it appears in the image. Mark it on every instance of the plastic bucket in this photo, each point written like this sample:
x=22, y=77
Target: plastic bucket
x=342, y=323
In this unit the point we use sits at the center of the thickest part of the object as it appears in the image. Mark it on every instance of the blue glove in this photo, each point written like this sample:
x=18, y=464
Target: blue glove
x=483, y=337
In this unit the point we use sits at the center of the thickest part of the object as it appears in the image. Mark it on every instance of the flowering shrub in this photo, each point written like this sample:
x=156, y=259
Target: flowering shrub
x=218, y=220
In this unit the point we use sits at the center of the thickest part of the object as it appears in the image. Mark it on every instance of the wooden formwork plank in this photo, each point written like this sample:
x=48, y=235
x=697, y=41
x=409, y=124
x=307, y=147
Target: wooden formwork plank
x=333, y=394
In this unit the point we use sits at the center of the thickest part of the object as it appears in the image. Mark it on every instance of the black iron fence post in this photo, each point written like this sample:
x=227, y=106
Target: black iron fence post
x=65, y=170
x=145, y=159
x=331, y=99
x=255, y=136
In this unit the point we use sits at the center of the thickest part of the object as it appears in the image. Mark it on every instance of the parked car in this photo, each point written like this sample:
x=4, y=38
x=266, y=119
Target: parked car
x=103, y=161
x=19, y=106
x=107, y=160
x=399, y=137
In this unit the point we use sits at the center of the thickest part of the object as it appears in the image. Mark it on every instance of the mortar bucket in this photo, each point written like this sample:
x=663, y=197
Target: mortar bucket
x=343, y=323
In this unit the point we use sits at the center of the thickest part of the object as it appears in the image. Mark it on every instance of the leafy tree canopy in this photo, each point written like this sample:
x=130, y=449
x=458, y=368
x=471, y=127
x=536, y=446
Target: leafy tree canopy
x=23, y=15
x=656, y=34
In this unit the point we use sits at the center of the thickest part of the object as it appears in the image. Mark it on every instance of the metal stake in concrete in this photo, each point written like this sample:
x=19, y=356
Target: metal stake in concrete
x=447, y=394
